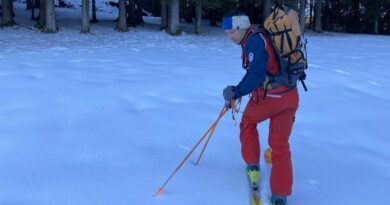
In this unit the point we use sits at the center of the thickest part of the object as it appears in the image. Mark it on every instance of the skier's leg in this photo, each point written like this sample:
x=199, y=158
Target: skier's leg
x=279, y=134
x=249, y=136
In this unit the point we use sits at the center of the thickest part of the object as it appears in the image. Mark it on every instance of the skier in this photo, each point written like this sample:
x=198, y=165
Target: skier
x=278, y=104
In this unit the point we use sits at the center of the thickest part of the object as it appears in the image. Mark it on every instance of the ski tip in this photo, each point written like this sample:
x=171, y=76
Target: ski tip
x=257, y=202
x=268, y=156
x=160, y=191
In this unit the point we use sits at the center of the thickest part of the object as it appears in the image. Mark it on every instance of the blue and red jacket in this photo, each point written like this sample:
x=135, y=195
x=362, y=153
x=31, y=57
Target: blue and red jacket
x=259, y=59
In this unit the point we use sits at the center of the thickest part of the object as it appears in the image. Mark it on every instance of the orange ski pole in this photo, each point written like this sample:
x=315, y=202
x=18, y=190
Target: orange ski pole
x=234, y=111
x=211, y=133
x=160, y=189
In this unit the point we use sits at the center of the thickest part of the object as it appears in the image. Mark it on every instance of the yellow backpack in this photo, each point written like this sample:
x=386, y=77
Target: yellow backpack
x=287, y=37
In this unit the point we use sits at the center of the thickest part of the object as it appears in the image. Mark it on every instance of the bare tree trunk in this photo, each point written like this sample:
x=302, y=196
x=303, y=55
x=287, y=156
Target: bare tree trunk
x=33, y=10
x=376, y=26
x=131, y=13
x=94, y=19
x=122, y=25
x=302, y=8
x=139, y=12
x=354, y=24
x=7, y=18
x=198, y=17
x=266, y=9
x=326, y=16
x=213, y=16
x=28, y=4
x=51, y=26
x=174, y=19
x=85, y=28
x=317, y=16
x=11, y=3
x=42, y=14
x=187, y=11
x=311, y=15
x=164, y=15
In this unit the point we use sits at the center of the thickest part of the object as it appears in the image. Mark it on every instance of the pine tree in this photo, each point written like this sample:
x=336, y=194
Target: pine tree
x=7, y=17
x=317, y=16
x=94, y=19
x=198, y=16
x=174, y=18
x=51, y=24
x=302, y=8
x=164, y=15
x=85, y=28
x=122, y=24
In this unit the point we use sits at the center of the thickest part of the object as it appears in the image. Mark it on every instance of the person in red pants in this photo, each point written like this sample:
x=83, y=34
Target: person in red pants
x=277, y=103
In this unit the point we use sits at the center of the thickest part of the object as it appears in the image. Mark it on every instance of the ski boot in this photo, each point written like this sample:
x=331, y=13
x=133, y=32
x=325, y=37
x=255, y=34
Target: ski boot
x=278, y=200
x=252, y=173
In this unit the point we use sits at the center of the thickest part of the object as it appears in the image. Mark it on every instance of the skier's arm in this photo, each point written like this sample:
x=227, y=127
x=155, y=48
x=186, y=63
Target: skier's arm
x=257, y=68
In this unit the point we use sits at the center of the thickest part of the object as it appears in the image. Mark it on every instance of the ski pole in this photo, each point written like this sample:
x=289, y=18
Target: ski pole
x=160, y=189
x=234, y=110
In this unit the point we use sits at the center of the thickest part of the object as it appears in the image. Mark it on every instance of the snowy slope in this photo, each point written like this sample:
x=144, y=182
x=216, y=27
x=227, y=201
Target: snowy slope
x=104, y=118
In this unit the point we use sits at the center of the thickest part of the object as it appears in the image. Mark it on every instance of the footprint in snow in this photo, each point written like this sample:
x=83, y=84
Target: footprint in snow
x=371, y=82
x=343, y=72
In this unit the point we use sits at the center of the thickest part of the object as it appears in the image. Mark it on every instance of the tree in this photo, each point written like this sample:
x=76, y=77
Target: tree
x=311, y=14
x=34, y=4
x=355, y=17
x=42, y=15
x=29, y=4
x=212, y=10
x=131, y=18
x=294, y=5
x=187, y=11
x=372, y=14
x=164, y=15
x=302, y=8
x=85, y=16
x=266, y=9
x=198, y=16
x=317, y=16
x=140, y=5
x=51, y=25
x=94, y=19
x=7, y=17
x=174, y=18
x=326, y=15
x=122, y=25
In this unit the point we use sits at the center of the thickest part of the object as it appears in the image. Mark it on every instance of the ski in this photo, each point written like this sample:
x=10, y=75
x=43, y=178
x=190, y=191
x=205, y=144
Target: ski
x=254, y=196
x=255, y=199
x=265, y=192
x=259, y=192
x=253, y=174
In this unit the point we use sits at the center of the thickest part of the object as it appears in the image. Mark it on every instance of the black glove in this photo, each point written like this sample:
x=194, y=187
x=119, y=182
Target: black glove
x=228, y=94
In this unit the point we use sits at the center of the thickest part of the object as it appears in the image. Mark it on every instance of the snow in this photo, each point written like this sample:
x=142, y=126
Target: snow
x=104, y=118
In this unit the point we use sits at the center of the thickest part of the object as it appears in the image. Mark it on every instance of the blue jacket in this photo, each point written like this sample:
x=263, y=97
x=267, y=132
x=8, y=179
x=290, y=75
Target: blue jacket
x=253, y=47
x=254, y=50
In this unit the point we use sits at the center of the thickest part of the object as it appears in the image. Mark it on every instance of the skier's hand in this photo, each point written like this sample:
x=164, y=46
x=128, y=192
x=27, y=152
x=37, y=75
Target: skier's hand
x=228, y=94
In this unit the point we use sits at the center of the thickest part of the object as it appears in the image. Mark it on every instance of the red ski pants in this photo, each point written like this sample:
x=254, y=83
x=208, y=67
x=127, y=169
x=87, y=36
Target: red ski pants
x=280, y=109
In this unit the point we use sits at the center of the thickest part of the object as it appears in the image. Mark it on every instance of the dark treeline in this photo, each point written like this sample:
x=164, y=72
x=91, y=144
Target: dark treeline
x=352, y=16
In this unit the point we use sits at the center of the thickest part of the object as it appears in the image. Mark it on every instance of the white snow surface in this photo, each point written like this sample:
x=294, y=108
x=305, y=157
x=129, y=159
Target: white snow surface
x=104, y=118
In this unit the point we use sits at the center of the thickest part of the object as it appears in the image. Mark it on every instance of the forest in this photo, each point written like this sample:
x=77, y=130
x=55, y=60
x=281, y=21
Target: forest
x=349, y=16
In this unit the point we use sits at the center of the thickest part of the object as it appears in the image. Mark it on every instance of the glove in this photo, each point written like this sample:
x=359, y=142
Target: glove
x=228, y=94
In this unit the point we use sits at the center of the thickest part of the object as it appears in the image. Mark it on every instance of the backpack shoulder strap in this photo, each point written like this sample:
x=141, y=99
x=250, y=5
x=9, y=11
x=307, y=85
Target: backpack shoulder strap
x=258, y=30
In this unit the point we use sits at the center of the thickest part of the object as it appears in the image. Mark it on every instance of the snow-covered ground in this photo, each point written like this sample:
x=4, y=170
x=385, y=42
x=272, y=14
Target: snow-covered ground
x=104, y=118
